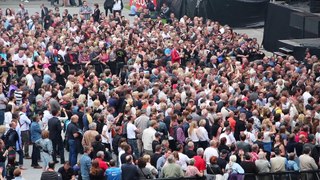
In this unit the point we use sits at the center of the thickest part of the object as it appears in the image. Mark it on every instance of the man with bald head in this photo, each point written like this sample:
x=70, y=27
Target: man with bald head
x=74, y=139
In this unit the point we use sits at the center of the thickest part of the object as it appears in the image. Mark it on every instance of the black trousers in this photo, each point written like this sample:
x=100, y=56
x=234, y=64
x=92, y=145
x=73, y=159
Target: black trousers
x=35, y=155
x=58, y=149
x=108, y=9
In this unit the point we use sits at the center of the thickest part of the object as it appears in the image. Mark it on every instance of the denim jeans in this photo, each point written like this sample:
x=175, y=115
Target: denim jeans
x=35, y=155
x=3, y=166
x=1, y=117
x=20, y=152
x=134, y=146
x=73, y=154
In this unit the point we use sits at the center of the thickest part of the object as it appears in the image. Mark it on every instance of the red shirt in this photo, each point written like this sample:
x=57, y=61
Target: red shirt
x=175, y=57
x=199, y=163
x=103, y=165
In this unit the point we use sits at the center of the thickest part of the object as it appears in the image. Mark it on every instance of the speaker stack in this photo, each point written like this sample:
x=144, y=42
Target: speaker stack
x=314, y=6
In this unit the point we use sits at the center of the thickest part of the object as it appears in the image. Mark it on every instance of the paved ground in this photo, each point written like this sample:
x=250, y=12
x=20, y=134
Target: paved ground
x=34, y=6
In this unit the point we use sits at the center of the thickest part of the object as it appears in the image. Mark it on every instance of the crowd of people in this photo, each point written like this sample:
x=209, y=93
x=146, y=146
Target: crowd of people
x=159, y=97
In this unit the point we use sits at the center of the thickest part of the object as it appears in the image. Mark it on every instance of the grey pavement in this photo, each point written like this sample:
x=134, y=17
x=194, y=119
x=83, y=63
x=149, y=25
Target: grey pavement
x=34, y=6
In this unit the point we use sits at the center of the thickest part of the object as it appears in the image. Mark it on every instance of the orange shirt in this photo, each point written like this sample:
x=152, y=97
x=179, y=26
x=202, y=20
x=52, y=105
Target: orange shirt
x=232, y=123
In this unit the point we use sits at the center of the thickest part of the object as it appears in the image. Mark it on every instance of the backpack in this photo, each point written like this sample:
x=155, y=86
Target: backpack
x=5, y=138
x=173, y=131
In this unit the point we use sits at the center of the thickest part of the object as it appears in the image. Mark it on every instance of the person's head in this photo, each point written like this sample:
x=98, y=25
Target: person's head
x=147, y=158
x=277, y=151
x=200, y=151
x=87, y=149
x=129, y=159
x=66, y=165
x=213, y=160
x=233, y=158
x=95, y=164
x=261, y=155
x=142, y=162
x=291, y=156
x=191, y=162
x=51, y=165
x=100, y=154
x=158, y=148
x=45, y=134
x=202, y=122
x=171, y=159
x=74, y=118
x=17, y=172
x=93, y=126
x=190, y=145
x=112, y=163
x=307, y=150
x=213, y=143
x=127, y=148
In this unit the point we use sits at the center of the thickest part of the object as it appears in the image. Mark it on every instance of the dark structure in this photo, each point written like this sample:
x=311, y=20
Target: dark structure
x=291, y=28
x=236, y=13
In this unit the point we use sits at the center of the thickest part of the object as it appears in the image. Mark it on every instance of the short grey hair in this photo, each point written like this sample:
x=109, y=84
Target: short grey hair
x=171, y=159
x=100, y=154
x=93, y=126
x=200, y=151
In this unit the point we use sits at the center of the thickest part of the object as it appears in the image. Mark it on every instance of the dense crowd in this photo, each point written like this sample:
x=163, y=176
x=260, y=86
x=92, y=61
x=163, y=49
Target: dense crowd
x=159, y=97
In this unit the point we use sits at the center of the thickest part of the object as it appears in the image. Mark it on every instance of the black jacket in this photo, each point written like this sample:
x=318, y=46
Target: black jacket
x=54, y=127
x=108, y=3
x=96, y=15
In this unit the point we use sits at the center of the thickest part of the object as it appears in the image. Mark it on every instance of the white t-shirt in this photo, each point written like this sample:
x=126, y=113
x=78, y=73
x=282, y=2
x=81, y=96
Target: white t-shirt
x=183, y=160
x=266, y=137
x=106, y=133
x=20, y=60
x=193, y=135
x=131, y=134
x=30, y=80
x=230, y=138
x=117, y=5
x=317, y=138
x=209, y=152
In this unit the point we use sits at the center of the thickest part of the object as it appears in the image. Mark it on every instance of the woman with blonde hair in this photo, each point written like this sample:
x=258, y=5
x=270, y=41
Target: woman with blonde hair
x=192, y=134
x=152, y=169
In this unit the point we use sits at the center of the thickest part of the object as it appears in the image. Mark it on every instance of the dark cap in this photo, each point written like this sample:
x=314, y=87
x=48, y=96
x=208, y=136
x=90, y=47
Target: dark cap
x=157, y=134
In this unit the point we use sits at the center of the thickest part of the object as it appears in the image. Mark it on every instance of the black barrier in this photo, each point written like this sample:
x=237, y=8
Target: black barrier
x=287, y=175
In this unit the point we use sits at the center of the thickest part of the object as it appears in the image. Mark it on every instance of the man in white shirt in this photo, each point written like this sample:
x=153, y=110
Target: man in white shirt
x=148, y=136
x=131, y=135
x=228, y=135
x=184, y=160
x=20, y=58
x=211, y=151
x=25, y=132
x=30, y=81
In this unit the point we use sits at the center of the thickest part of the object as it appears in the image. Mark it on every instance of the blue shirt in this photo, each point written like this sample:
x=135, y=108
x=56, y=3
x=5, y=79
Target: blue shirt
x=133, y=9
x=35, y=131
x=85, y=165
x=113, y=173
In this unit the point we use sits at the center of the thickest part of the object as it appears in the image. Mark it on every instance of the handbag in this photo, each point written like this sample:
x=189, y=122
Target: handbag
x=148, y=176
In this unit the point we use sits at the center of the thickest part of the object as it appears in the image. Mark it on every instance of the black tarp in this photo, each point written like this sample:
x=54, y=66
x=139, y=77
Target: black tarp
x=236, y=13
